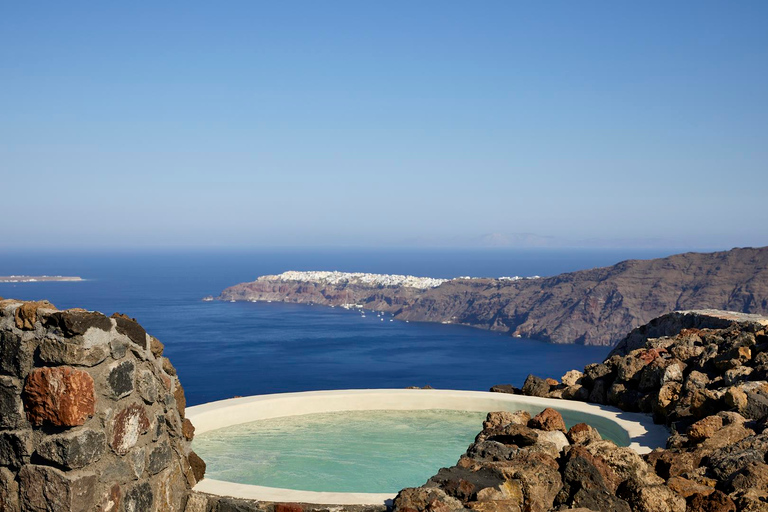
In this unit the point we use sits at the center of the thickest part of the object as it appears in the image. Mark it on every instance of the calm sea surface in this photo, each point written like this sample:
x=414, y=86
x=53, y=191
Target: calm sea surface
x=226, y=349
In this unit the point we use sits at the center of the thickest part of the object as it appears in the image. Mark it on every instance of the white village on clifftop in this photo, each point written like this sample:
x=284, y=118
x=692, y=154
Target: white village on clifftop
x=362, y=278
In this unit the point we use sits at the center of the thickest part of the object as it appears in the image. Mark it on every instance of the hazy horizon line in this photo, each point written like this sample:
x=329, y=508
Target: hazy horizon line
x=364, y=248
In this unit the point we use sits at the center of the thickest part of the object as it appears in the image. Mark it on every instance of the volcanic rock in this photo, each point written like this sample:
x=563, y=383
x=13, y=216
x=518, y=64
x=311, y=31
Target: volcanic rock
x=48, y=489
x=26, y=314
x=548, y=419
x=75, y=449
x=711, y=502
x=60, y=396
x=15, y=448
x=535, y=386
x=129, y=424
x=198, y=466
x=130, y=328
x=581, y=433
x=74, y=322
x=500, y=419
x=705, y=428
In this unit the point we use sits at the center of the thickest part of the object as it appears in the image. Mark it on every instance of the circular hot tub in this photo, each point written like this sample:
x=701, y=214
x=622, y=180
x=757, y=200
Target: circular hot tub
x=362, y=446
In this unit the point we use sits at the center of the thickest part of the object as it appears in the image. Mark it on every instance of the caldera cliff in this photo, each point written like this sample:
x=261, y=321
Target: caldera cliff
x=592, y=307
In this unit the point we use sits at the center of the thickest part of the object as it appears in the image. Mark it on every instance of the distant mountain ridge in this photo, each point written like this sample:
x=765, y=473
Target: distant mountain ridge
x=593, y=307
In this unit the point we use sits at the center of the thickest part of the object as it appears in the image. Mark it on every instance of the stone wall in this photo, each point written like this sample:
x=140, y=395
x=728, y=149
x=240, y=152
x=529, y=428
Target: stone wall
x=91, y=415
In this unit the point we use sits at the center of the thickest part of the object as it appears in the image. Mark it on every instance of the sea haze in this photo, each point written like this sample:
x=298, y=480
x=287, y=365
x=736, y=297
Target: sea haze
x=223, y=349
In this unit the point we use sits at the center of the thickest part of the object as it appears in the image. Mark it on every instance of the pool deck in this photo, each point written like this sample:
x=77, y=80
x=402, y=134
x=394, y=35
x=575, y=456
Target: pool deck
x=643, y=435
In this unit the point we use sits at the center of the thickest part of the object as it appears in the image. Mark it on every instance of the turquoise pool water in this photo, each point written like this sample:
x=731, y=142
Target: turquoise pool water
x=355, y=451
x=376, y=451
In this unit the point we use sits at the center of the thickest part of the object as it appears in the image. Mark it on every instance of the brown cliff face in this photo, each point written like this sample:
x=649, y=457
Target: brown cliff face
x=592, y=307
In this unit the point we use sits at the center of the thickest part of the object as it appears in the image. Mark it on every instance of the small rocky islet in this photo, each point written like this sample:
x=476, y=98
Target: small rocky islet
x=38, y=279
x=92, y=418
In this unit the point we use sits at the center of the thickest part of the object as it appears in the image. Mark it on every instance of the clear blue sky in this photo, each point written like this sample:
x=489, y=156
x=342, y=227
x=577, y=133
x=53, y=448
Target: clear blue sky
x=383, y=123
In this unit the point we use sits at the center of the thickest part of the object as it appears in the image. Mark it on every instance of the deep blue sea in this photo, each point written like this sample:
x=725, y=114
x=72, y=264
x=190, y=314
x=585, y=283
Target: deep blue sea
x=223, y=349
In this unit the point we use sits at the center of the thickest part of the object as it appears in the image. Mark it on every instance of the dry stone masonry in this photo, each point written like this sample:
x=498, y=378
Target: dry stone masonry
x=91, y=415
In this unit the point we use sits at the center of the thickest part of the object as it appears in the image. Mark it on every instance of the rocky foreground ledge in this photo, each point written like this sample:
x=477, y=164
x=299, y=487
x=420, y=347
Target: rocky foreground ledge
x=92, y=418
x=708, y=383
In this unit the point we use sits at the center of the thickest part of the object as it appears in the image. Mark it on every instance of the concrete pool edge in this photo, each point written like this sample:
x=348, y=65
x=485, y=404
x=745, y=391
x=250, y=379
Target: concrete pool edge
x=277, y=495
x=643, y=434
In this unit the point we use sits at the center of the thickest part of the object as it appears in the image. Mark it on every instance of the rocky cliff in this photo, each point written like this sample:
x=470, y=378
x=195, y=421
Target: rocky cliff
x=592, y=307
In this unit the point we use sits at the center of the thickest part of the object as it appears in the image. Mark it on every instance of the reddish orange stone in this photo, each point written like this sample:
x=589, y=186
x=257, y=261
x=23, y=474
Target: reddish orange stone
x=651, y=354
x=187, y=429
x=548, y=419
x=26, y=314
x=61, y=396
x=288, y=507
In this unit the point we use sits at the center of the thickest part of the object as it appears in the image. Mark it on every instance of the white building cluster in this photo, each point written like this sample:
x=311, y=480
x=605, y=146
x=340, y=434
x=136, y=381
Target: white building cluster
x=357, y=278
x=335, y=277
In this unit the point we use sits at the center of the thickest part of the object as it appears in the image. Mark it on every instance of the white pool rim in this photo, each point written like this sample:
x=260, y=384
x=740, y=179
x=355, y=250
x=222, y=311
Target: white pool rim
x=643, y=434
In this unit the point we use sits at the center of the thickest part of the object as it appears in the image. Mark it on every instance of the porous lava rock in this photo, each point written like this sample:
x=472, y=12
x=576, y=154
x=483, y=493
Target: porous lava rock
x=701, y=374
x=548, y=419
